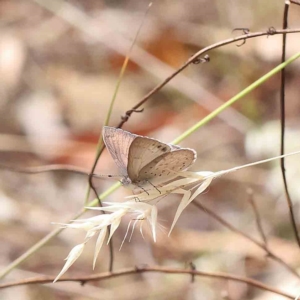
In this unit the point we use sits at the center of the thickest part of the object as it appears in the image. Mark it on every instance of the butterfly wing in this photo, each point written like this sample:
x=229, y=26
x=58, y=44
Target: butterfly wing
x=144, y=150
x=146, y=159
x=118, y=142
x=162, y=168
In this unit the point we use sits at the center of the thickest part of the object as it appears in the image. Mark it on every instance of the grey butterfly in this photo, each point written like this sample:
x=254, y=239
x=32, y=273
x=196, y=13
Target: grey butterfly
x=143, y=160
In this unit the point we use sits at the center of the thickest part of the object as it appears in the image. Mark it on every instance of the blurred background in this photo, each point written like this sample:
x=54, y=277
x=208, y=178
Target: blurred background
x=59, y=65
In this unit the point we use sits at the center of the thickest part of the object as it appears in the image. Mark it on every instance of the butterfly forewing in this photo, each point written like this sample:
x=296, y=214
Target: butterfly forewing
x=164, y=167
x=143, y=151
x=118, y=143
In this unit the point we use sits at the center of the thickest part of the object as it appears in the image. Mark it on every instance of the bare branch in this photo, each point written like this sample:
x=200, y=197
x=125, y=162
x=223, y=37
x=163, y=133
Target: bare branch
x=297, y=2
x=257, y=216
x=246, y=236
x=282, y=119
x=154, y=269
x=47, y=168
x=195, y=57
x=52, y=168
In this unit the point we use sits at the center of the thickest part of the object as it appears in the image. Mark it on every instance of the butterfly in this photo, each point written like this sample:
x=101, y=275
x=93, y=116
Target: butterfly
x=145, y=161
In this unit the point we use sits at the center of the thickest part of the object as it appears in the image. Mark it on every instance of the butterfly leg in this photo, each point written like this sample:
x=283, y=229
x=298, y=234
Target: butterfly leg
x=143, y=189
x=154, y=186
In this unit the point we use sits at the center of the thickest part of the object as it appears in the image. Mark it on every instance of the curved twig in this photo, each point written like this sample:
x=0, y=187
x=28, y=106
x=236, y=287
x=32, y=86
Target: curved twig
x=263, y=246
x=257, y=217
x=282, y=119
x=245, y=31
x=53, y=168
x=297, y=2
x=47, y=168
x=154, y=269
x=197, y=55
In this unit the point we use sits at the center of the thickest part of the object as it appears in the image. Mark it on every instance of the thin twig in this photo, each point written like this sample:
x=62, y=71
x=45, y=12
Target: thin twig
x=195, y=57
x=101, y=145
x=257, y=216
x=245, y=235
x=297, y=2
x=154, y=269
x=110, y=244
x=54, y=168
x=47, y=168
x=282, y=119
x=193, y=268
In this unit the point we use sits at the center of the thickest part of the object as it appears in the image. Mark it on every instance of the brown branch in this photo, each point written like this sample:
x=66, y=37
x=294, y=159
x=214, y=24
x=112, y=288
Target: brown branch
x=91, y=185
x=138, y=270
x=52, y=168
x=257, y=217
x=246, y=236
x=282, y=119
x=47, y=168
x=194, y=58
x=297, y=2
x=102, y=145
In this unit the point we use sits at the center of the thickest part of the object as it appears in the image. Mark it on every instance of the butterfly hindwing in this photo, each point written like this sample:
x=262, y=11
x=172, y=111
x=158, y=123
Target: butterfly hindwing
x=162, y=168
x=144, y=150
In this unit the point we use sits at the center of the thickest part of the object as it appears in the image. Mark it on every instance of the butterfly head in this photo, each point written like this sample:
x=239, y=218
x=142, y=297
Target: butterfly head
x=126, y=180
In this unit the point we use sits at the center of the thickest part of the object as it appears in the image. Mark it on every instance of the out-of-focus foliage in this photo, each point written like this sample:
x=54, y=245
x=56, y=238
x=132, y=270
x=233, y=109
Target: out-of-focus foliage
x=57, y=81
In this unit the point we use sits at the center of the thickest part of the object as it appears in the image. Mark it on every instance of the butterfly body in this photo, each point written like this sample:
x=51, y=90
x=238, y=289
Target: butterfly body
x=145, y=162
